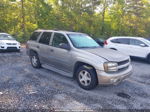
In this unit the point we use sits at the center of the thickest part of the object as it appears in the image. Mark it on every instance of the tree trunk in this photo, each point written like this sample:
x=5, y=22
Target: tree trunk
x=23, y=17
x=103, y=17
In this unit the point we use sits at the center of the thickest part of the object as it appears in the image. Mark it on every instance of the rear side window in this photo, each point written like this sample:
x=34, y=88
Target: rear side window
x=35, y=35
x=121, y=41
x=45, y=38
x=114, y=41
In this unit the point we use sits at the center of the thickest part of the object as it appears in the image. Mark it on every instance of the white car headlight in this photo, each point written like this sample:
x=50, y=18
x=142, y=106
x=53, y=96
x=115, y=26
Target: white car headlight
x=1, y=43
x=110, y=67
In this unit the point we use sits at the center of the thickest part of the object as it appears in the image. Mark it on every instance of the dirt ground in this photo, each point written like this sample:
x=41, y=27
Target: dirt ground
x=23, y=87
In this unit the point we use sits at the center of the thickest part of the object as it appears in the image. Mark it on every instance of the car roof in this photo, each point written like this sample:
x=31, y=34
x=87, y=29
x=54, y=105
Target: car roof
x=59, y=31
x=4, y=33
x=116, y=37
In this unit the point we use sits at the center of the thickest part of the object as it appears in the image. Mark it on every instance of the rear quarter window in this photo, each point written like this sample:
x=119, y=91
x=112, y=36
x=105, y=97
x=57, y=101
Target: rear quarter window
x=35, y=36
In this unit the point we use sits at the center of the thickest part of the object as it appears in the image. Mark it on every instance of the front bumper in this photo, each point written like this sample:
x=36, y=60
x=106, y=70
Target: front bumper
x=9, y=47
x=109, y=78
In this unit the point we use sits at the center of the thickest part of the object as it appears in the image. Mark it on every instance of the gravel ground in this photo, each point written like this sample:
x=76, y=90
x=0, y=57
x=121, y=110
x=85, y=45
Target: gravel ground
x=23, y=87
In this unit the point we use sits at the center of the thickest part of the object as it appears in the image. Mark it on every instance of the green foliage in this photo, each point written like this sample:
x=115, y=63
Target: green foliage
x=98, y=18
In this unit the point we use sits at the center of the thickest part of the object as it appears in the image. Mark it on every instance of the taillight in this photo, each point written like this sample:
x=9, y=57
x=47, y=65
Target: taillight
x=105, y=42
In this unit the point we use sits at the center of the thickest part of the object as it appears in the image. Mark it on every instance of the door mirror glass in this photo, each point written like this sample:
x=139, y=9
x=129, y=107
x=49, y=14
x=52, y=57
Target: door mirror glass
x=64, y=46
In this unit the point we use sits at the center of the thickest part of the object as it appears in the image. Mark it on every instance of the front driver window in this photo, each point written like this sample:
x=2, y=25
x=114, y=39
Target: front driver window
x=136, y=42
x=58, y=40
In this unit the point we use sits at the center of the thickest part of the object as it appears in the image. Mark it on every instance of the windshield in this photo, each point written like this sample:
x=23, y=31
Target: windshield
x=147, y=41
x=6, y=37
x=82, y=41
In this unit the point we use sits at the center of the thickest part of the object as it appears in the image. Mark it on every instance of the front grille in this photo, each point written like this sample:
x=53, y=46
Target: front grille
x=124, y=68
x=11, y=48
x=123, y=62
x=11, y=43
x=123, y=65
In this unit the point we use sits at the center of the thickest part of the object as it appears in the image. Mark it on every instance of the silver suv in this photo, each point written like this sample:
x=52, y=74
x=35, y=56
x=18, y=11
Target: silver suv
x=77, y=55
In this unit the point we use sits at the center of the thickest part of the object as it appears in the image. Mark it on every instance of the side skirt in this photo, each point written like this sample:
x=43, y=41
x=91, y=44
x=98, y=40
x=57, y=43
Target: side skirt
x=57, y=70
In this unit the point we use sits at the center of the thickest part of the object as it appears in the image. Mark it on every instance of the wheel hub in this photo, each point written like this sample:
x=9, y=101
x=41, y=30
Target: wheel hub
x=34, y=60
x=85, y=78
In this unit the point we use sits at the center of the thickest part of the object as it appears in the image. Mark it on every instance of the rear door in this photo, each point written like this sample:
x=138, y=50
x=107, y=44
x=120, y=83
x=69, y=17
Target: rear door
x=122, y=45
x=44, y=47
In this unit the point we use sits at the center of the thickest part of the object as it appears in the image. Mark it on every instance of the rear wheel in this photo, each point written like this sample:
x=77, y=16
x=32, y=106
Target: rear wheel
x=86, y=77
x=35, y=61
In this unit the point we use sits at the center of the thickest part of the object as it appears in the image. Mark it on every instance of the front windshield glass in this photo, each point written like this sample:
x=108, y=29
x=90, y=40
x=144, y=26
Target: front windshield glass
x=147, y=41
x=6, y=37
x=82, y=41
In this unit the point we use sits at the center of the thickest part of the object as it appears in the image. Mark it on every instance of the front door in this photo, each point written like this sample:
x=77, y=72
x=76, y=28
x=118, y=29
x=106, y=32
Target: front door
x=138, y=48
x=61, y=57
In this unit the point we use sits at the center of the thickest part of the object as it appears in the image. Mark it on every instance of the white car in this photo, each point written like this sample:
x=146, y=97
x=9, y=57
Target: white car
x=133, y=46
x=7, y=42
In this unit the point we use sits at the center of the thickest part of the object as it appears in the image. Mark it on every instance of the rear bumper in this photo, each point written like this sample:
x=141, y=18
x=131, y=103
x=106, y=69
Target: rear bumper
x=107, y=79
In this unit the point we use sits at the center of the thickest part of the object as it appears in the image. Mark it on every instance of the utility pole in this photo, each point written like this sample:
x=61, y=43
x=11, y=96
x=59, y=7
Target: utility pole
x=23, y=17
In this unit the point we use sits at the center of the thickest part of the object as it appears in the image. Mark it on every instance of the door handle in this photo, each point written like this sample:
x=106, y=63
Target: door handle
x=52, y=50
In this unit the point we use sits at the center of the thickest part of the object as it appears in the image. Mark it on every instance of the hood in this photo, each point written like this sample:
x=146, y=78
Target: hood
x=108, y=54
x=9, y=41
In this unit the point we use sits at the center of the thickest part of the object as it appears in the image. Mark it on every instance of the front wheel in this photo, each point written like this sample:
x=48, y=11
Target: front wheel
x=86, y=77
x=148, y=58
x=35, y=61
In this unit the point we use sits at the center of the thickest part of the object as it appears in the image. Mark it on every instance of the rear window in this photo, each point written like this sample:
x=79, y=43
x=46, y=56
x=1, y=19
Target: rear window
x=35, y=35
x=121, y=41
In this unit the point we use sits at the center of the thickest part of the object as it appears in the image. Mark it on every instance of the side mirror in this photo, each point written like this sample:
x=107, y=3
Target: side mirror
x=64, y=46
x=143, y=45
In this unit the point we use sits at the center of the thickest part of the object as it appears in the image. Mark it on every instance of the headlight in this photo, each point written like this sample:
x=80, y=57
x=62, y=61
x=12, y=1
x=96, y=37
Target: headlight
x=1, y=43
x=110, y=67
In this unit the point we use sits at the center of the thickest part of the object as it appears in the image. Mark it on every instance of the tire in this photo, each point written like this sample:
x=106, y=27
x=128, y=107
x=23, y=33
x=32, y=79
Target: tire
x=148, y=58
x=18, y=50
x=35, y=62
x=90, y=82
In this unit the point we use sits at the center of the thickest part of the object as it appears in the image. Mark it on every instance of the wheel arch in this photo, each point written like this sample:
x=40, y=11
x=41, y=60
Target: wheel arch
x=148, y=56
x=80, y=63
x=113, y=49
x=31, y=52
